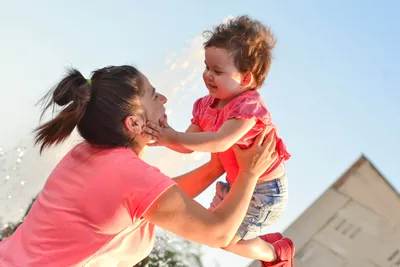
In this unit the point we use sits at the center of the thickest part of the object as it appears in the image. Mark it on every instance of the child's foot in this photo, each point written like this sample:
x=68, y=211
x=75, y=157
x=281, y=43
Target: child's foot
x=272, y=237
x=284, y=249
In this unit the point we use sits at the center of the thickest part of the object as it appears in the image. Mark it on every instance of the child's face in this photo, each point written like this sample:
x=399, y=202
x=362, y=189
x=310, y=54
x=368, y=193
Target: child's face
x=222, y=78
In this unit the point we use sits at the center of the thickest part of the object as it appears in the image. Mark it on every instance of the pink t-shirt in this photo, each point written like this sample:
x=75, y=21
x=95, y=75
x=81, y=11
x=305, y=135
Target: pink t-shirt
x=89, y=212
x=245, y=106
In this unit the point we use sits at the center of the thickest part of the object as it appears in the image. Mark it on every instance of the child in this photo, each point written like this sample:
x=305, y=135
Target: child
x=238, y=56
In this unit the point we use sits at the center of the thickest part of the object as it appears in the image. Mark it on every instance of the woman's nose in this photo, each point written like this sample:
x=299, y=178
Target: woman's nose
x=162, y=98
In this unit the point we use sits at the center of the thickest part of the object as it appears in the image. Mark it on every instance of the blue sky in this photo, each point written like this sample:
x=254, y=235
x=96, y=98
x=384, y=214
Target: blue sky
x=331, y=90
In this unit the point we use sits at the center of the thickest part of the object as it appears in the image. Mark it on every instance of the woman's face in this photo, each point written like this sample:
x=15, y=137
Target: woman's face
x=152, y=102
x=151, y=109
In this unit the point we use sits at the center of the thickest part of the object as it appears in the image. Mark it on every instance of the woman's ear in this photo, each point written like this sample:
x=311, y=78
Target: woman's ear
x=133, y=125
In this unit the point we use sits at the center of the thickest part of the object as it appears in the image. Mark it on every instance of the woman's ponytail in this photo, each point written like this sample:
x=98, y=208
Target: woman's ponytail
x=73, y=92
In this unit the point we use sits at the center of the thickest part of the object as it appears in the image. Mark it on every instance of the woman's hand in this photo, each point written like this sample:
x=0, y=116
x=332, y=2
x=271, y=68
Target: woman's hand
x=259, y=157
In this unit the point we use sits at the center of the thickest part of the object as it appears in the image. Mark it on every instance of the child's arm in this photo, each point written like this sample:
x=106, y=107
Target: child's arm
x=228, y=134
x=193, y=128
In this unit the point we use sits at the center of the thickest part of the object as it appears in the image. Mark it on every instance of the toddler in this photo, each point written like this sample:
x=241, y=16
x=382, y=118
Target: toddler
x=238, y=56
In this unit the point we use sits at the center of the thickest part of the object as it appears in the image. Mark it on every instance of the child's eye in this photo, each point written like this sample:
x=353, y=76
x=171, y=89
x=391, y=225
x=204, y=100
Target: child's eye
x=218, y=72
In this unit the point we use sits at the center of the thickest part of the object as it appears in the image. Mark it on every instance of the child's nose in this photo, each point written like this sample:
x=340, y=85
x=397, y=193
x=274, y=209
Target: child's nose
x=209, y=76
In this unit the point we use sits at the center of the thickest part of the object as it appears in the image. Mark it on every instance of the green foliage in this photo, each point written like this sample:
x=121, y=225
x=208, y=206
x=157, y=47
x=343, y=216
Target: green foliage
x=171, y=251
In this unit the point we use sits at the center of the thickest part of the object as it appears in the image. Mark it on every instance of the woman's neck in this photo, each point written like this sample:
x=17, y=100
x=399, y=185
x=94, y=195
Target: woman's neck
x=139, y=148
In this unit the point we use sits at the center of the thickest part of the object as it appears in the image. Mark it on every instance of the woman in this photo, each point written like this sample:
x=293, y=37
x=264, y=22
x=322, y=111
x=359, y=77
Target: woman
x=100, y=204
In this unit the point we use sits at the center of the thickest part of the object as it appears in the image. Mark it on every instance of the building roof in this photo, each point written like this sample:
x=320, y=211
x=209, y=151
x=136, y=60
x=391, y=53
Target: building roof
x=359, y=162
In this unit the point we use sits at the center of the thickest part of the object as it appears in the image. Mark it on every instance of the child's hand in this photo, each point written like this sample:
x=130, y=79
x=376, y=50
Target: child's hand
x=162, y=135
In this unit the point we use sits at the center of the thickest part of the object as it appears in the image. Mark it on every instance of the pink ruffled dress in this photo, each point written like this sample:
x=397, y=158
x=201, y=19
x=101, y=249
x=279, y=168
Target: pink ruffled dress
x=245, y=106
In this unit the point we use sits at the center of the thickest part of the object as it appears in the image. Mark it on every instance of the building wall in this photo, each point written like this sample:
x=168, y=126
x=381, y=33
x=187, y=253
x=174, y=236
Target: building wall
x=355, y=223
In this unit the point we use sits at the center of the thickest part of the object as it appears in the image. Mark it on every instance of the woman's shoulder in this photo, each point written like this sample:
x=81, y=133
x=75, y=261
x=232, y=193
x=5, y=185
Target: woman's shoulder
x=119, y=166
x=102, y=157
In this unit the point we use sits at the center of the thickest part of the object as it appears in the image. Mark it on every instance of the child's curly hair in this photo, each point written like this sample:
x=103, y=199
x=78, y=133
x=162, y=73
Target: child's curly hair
x=250, y=41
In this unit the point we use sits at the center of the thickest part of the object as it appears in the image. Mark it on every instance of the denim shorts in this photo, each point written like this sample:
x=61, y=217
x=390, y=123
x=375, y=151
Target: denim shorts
x=268, y=203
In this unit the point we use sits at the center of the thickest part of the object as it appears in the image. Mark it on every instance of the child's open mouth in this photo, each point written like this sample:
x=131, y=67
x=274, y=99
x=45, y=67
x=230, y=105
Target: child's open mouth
x=211, y=86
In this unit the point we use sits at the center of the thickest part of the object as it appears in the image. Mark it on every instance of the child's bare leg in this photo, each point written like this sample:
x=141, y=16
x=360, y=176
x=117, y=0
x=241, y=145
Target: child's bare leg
x=255, y=249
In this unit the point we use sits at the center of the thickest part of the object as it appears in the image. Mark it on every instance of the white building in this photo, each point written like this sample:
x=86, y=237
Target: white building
x=354, y=223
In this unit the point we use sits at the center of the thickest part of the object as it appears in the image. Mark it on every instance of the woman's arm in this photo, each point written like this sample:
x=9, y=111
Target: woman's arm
x=176, y=212
x=198, y=180
x=227, y=135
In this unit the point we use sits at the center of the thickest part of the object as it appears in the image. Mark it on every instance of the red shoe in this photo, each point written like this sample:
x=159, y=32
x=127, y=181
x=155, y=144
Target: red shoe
x=271, y=238
x=285, y=250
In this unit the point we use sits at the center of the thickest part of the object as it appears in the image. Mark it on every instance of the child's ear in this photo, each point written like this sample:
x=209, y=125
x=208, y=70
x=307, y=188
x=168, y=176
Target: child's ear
x=247, y=79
